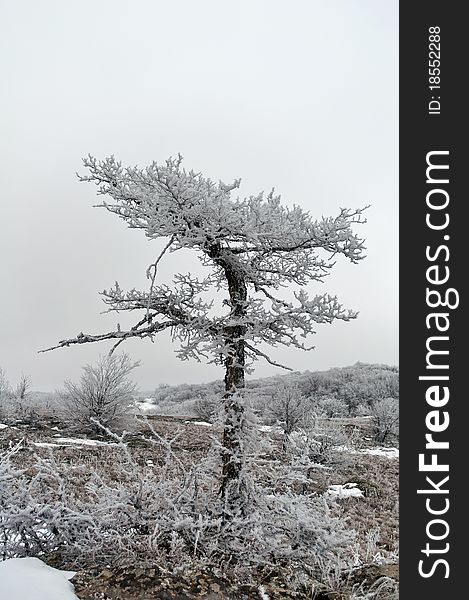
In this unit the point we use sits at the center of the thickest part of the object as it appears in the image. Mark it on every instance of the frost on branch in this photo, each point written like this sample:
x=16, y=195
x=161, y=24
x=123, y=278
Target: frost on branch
x=254, y=246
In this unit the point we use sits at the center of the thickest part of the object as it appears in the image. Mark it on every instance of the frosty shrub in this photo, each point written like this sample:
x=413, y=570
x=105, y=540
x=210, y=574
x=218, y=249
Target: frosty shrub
x=4, y=394
x=4, y=383
x=17, y=404
x=185, y=408
x=385, y=420
x=331, y=407
x=384, y=588
x=23, y=387
x=172, y=514
x=363, y=410
x=104, y=394
x=24, y=405
x=207, y=407
x=319, y=442
x=289, y=407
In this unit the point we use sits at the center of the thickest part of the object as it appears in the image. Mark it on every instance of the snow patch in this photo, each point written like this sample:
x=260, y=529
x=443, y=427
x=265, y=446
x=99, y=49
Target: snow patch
x=83, y=441
x=31, y=579
x=3, y=426
x=391, y=453
x=345, y=449
x=262, y=593
x=48, y=445
x=147, y=405
x=64, y=442
x=203, y=423
x=384, y=452
x=348, y=490
x=270, y=429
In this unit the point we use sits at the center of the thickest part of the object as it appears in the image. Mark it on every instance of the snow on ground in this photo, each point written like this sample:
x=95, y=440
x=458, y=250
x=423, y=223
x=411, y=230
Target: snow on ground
x=85, y=442
x=47, y=445
x=146, y=405
x=64, y=441
x=385, y=452
x=348, y=490
x=203, y=423
x=263, y=593
x=270, y=429
x=345, y=449
x=3, y=426
x=31, y=579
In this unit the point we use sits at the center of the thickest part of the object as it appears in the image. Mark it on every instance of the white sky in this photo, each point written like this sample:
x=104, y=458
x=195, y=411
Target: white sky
x=302, y=96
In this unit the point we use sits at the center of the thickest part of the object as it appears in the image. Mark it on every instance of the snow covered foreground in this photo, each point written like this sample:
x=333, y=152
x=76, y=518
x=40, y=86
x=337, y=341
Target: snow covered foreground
x=31, y=579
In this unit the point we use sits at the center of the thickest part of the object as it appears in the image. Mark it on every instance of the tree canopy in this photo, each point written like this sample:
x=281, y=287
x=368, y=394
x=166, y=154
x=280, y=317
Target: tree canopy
x=254, y=246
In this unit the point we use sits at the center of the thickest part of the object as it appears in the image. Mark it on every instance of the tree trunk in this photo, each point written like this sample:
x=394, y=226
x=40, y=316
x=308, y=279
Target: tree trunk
x=232, y=454
x=232, y=487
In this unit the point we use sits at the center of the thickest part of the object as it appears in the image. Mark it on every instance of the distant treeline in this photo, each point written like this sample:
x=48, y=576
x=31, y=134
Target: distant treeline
x=355, y=388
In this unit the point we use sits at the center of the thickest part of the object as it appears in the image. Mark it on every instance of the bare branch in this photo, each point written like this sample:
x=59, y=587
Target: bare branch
x=113, y=335
x=258, y=352
x=152, y=275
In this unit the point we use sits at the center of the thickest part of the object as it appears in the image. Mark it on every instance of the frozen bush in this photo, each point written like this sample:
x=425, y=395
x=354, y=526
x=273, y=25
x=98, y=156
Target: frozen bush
x=385, y=421
x=384, y=588
x=363, y=410
x=290, y=409
x=320, y=443
x=23, y=387
x=175, y=515
x=331, y=407
x=207, y=407
x=168, y=408
x=104, y=394
x=17, y=403
x=4, y=384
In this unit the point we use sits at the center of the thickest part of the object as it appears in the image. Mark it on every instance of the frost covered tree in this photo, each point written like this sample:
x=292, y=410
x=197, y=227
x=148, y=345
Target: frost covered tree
x=254, y=247
x=23, y=387
x=385, y=420
x=4, y=384
x=206, y=407
x=104, y=393
x=15, y=402
x=5, y=392
x=290, y=407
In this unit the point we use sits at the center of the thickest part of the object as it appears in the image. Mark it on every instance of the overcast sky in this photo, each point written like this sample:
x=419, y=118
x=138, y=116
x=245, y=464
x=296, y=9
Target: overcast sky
x=301, y=96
